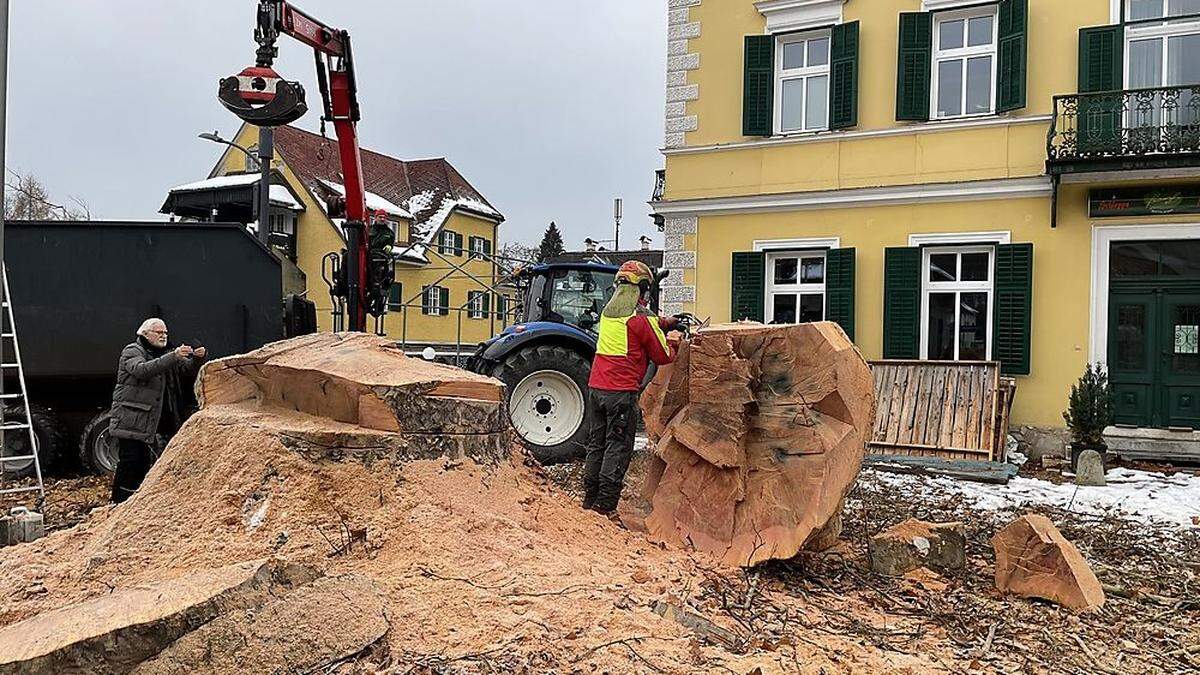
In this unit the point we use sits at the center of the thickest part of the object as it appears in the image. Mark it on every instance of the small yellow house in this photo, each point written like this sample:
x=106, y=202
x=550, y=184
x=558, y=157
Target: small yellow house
x=1013, y=180
x=446, y=232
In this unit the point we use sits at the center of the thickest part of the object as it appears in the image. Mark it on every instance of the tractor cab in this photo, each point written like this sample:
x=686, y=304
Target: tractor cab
x=567, y=293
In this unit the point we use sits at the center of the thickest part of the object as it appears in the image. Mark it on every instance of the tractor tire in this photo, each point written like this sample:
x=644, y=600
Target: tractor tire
x=97, y=452
x=51, y=439
x=547, y=401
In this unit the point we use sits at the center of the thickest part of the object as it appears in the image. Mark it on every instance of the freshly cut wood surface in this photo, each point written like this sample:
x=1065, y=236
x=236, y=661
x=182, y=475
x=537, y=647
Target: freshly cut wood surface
x=359, y=379
x=759, y=454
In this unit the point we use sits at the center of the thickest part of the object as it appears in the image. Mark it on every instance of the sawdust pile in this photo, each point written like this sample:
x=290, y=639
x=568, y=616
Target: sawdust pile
x=479, y=562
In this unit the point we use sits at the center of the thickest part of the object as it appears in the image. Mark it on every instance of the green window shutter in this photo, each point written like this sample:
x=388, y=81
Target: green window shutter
x=839, y=288
x=426, y=306
x=914, y=65
x=1101, y=68
x=749, y=277
x=487, y=304
x=444, y=301
x=1101, y=58
x=487, y=246
x=758, y=86
x=1012, y=55
x=458, y=244
x=1014, y=304
x=843, y=76
x=902, y=303
x=396, y=297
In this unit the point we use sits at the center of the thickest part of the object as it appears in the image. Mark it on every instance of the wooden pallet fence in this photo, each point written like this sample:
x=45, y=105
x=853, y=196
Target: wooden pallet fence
x=948, y=409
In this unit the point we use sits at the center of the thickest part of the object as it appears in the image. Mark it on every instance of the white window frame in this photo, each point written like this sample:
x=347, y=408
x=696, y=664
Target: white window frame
x=448, y=246
x=1165, y=4
x=958, y=287
x=432, y=305
x=477, y=253
x=286, y=221
x=804, y=73
x=963, y=54
x=798, y=289
x=475, y=305
x=1161, y=31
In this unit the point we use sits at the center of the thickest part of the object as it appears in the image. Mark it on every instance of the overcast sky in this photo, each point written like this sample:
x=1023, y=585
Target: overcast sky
x=551, y=108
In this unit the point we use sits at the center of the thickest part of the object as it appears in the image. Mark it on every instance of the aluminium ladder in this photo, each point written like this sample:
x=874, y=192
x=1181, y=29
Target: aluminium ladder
x=11, y=356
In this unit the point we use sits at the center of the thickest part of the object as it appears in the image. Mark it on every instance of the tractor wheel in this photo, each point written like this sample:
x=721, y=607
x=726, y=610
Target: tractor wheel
x=51, y=439
x=97, y=452
x=547, y=400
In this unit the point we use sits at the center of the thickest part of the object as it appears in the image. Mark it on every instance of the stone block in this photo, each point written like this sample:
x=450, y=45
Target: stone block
x=1034, y=560
x=1089, y=469
x=916, y=543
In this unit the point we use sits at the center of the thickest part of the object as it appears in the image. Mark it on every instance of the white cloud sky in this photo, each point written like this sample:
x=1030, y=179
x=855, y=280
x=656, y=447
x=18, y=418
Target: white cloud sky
x=549, y=107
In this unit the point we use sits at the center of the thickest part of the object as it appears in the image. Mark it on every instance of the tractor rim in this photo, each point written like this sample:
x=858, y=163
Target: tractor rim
x=546, y=408
x=103, y=452
x=16, y=445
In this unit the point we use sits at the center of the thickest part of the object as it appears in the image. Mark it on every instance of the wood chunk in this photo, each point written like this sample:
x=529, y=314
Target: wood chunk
x=1033, y=559
x=760, y=455
x=305, y=630
x=916, y=543
x=115, y=632
x=358, y=379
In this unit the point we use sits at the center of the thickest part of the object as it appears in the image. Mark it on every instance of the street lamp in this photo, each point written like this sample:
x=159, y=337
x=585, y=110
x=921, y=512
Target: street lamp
x=215, y=137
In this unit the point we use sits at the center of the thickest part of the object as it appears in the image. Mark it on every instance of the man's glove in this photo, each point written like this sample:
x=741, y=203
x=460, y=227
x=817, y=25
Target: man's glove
x=668, y=323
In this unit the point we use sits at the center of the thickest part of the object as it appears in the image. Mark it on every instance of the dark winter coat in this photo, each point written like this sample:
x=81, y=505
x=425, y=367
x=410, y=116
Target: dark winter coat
x=138, y=397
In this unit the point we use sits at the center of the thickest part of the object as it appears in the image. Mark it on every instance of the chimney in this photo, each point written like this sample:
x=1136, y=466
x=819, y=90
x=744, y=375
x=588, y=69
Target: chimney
x=589, y=245
x=646, y=241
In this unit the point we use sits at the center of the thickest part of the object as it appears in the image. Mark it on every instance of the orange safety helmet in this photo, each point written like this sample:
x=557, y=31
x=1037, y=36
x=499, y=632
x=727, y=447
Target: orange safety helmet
x=634, y=273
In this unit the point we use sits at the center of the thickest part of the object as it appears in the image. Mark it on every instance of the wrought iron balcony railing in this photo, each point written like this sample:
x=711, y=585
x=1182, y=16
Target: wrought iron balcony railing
x=1151, y=127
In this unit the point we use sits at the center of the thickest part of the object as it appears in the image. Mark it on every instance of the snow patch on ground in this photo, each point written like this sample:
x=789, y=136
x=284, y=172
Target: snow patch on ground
x=1130, y=494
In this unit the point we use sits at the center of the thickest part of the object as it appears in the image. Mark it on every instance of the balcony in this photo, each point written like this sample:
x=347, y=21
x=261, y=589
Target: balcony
x=1136, y=129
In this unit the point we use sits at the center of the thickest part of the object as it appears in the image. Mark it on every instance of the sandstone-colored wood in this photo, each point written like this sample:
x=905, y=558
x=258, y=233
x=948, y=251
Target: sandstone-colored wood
x=1034, y=560
x=757, y=457
x=114, y=632
x=915, y=543
x=359, y=379
x=306, y=629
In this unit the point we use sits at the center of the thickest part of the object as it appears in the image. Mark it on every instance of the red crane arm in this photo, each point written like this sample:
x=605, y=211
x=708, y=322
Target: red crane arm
x=339, y=92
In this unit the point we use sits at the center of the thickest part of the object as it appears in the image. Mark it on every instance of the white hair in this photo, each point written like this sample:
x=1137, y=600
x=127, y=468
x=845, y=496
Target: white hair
x=150, y=323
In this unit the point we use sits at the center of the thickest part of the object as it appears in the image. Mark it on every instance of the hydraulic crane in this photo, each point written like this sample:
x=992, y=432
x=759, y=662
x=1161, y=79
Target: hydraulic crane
x=258, y=95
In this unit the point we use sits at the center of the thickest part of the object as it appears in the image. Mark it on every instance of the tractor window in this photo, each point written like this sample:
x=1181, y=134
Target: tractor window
x=579, y=296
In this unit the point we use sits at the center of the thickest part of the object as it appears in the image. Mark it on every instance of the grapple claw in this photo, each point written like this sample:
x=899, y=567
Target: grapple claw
x=262, y=98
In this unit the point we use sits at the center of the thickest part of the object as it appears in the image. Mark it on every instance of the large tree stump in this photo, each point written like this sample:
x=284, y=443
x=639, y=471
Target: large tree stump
x=759, y=433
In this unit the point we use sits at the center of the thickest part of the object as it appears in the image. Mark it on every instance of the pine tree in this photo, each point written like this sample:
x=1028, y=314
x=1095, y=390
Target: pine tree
x=552, y=244
x=1090, y=407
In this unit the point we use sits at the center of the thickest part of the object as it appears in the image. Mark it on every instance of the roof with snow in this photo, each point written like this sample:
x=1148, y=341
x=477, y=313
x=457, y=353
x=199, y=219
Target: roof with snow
x=281, y=195
x=426, y=190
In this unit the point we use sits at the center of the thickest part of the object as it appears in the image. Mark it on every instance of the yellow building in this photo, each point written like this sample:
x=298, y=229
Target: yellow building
x=949, y=179
x=446, y=232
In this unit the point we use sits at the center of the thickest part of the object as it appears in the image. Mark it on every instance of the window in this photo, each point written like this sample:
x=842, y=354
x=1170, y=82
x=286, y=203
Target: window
x=795, y=287
x=1153, y=9
x=802, y=82
x=435, y=301
x=956, y=302
x=579, y=296
x=477, y=305
x=964, y=62
x=479, y=248
x=282, y=223
x=395, y=301
x=450, y=243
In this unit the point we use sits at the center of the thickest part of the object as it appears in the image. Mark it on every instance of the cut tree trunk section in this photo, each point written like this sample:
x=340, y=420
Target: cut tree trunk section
x=759, y=433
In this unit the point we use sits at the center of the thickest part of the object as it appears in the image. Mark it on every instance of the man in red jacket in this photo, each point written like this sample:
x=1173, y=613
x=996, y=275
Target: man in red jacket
x=630, y=338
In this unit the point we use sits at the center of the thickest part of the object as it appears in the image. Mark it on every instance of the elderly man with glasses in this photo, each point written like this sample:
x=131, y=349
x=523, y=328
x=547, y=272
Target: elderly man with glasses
x=147, y=366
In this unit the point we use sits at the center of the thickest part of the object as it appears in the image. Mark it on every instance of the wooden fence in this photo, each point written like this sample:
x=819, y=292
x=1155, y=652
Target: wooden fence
x=949, y=409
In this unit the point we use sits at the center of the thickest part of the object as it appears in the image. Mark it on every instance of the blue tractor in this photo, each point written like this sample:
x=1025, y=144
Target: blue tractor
x=545, y=359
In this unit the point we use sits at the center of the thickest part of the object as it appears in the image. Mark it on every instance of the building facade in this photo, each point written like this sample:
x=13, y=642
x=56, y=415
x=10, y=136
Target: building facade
x=446, y=289
x=1014, y=180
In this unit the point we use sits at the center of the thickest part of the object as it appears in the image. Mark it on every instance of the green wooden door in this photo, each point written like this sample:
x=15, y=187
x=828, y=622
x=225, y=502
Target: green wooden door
x=1132, y=355
x=1179, y=359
